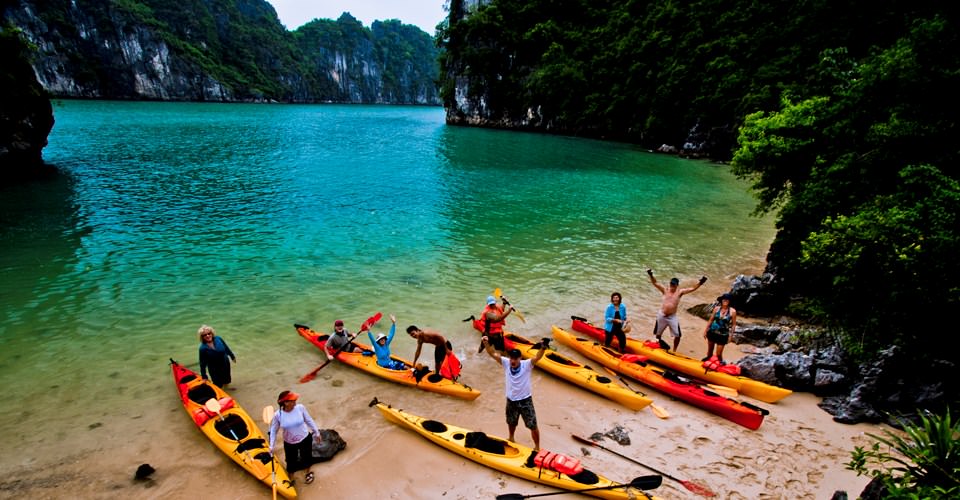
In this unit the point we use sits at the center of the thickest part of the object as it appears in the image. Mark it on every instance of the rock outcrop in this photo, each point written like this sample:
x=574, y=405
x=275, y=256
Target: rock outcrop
x=26, y=116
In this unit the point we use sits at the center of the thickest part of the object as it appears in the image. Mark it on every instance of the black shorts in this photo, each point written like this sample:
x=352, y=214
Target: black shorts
x=718, y=337
x=523, y=408
x=496, y=340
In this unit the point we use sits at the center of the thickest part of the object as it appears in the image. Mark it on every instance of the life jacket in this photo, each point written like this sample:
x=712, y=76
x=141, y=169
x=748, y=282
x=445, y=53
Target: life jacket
x=451, y=366
x=730, y=369
x=491, y=328
x=560, y=463
x=651, y=344
x=634, y=358
x=202, y=414
x=712, y=364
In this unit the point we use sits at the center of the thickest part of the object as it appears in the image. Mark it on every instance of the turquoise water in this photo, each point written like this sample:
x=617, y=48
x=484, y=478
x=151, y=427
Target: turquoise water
x=253, y=217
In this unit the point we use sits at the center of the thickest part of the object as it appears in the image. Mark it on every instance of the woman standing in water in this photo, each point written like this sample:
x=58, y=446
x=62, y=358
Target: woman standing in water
x=214, y=354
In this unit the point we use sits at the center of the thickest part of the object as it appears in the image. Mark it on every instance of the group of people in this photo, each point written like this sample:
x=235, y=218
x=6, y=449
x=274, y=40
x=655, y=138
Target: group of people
x=300, y=431
x=722, y=321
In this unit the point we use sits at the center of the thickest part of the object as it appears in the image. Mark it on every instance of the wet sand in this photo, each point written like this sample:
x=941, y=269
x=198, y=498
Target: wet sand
x=798, y=452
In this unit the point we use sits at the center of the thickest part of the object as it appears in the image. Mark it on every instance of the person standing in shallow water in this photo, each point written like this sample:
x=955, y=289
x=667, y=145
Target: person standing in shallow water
x=723, y=320
x=615, y=322
x=667, y=315
x=215, y=355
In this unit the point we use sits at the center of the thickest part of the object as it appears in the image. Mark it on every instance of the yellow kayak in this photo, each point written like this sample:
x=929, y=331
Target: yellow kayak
x=232, y=430
x=507, y=457
x=367, y=362
x=692, y=367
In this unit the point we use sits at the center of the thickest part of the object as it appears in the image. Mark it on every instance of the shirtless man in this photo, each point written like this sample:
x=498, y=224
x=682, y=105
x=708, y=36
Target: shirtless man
x=429, y=337
x=667, y=315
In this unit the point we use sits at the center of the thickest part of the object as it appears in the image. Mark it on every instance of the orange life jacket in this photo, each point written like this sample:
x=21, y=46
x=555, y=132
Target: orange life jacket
x=560, y=463
x=491, y=328
x=202, y=414
x=451, y=366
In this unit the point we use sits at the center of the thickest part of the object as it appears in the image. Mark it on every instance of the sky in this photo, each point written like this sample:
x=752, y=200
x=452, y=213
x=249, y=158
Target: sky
x=423, y=13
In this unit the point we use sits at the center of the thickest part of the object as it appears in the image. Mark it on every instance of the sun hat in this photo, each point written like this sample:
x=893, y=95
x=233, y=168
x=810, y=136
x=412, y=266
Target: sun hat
x=380, y=337
x=725, y=296
x=338, y=322
x=514, y=353
x=491, y=300
x=287, y=396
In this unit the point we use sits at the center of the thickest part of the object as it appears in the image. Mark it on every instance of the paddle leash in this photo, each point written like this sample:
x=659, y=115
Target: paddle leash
x=641, y=483
x=694, y=487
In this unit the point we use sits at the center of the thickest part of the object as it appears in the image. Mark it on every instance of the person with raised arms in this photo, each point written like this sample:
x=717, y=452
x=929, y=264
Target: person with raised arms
x=518, y=388
x=494, y=320
x=381, y=346
x=667, y=314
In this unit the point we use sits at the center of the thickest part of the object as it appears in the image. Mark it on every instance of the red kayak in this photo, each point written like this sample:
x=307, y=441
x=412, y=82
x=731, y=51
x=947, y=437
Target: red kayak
x=665, y=381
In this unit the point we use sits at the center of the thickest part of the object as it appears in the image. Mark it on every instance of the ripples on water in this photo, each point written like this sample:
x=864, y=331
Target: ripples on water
x=252, y=217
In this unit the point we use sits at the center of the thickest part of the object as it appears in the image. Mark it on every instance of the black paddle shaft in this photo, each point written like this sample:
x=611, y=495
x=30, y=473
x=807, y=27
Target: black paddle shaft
x=642, y=483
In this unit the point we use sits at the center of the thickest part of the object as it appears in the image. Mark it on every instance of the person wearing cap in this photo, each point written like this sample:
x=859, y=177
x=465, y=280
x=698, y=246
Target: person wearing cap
x=381, y=346
x=667, y=315
x=494, y=319
x=341, y=340
x=215, y=355
x=723, y=320
x=299, y=433
x=426, y=336
x=518, y=387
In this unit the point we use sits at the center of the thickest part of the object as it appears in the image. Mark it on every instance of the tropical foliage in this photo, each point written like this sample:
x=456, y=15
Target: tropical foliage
x=921, y=462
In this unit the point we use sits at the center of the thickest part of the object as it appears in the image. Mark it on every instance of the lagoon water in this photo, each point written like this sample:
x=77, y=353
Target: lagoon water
x=253, y=217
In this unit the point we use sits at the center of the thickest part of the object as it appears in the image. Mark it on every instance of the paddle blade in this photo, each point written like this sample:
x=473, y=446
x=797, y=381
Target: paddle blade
x=729, y=392
x=647, y=482
x=519, y=315
x=659, y=412
x=267, y=414
x=497, y=293
x=510, y=496
x=213, y=405
x=698, y=489
x=372, y=320
x=312, y=375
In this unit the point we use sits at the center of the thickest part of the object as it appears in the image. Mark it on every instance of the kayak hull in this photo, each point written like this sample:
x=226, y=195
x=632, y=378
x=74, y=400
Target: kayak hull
x=502, y=455
x=693, y=367
x=680, y=388
x=576, y=373
x=250, y=450
x=367, y=362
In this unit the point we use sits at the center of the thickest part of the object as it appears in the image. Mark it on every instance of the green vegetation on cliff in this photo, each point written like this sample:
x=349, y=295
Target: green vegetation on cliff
x=843, y=115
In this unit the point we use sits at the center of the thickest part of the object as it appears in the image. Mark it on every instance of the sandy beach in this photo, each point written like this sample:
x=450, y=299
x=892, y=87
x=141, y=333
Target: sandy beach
x=798, y=452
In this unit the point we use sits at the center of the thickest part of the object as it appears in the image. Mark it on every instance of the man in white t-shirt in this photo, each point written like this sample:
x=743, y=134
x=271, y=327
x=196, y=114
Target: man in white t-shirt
x=516, y=375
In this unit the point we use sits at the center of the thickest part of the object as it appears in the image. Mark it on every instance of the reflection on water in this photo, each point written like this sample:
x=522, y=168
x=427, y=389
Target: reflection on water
x=251, y=218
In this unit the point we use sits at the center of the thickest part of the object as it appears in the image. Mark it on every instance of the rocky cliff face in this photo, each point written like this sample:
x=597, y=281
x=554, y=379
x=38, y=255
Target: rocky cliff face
x=26, y=116
x=211, y=50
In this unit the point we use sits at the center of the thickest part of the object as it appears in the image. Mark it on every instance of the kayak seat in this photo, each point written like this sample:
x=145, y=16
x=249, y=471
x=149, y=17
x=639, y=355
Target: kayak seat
x=603, y=380
x=434, y=426
x=186, y=378
x=585, y=477
x=433, y=378
x=560, y=359
x=263, y=457
x=201, y=394
x=250, y=444
x=482, y=442
x=233, y=423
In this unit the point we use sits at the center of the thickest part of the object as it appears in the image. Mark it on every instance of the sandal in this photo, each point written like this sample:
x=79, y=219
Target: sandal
x=308, y=478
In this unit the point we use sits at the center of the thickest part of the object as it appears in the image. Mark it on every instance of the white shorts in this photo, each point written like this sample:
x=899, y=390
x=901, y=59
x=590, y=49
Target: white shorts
x=667, y=321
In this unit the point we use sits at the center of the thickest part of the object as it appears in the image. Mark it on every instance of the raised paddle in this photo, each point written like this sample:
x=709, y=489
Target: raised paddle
x=640, y=483
x=364, y=327
x=268, y=419
x=658, y=411
x=694, y=487
x=499, y=294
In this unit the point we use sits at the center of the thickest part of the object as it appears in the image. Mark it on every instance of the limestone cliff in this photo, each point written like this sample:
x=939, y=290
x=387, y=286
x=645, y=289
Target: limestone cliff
x=26, y=116
x=216, y=50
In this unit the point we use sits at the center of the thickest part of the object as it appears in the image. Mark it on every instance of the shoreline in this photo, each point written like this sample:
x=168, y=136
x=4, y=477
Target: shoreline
x=799, y=451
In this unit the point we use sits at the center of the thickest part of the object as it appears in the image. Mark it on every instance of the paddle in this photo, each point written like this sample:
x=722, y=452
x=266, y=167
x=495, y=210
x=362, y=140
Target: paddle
x=364, y=327
x=640, y=483
x=658, y=411
x=268, y=419
x=499, y=294
x=694, y=487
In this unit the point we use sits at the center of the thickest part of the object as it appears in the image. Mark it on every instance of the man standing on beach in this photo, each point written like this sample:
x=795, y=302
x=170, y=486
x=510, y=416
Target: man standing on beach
x=516, y=374
x=667, y=315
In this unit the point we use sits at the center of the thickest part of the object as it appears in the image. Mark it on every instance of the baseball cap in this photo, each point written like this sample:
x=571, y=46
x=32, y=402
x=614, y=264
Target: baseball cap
x=514, y=353
x=674, y=281
x=338, y=322
x=491, y=300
